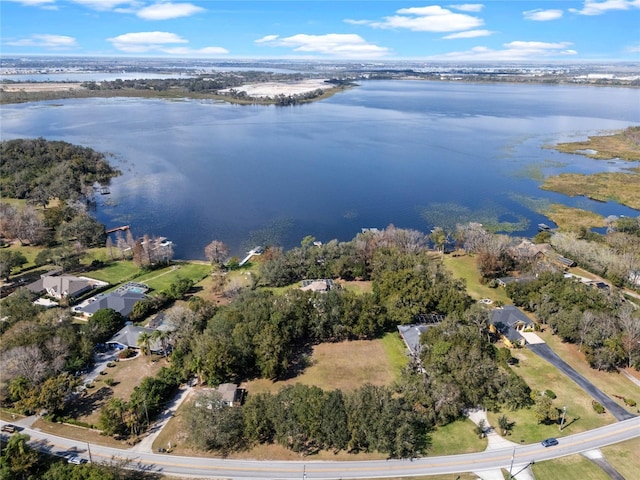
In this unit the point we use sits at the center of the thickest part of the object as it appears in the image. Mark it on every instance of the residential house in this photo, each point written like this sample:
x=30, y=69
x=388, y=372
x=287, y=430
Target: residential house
x=63, y=286
x=128, y=337
x=120, y=301
x=509, y=322
x=320, y=285
x=411, y=336
x=231, y=395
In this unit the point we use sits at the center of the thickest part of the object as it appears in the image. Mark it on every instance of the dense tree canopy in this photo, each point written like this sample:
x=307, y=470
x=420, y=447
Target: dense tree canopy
x=40, y=170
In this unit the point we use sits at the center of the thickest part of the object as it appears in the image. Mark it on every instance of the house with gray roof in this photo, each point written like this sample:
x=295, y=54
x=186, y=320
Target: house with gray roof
x=411, y=336
x=121, y=301
x=508, y=322
x=63, y=286
x=128, y=336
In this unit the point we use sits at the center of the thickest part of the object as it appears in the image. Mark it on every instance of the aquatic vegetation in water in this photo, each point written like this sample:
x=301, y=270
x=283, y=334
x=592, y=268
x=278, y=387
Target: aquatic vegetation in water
x=350, y=214
x=535, y=171
x=535, y=204
x=273, y=233
x=493, y=217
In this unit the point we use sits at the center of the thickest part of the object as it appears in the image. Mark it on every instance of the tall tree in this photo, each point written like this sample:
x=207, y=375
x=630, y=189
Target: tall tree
x=216, y=252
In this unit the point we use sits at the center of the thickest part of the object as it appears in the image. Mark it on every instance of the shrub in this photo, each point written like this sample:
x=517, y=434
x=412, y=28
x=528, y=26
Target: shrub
x=550, y=394
x=597, y=407
x=630, y=402
x=127, y=353
x=110, y=382
x=111, y=364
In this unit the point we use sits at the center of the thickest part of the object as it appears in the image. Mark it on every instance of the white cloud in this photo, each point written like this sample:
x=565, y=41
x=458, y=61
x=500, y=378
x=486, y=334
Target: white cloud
x=540, y=15
x=333, y=44
x=469, y=34
x=427, y=19
x=144, y=41
x=595, y=7
x=168, y=10
x=54, y=42
x=357, y=22
x=634, y=48
x=160, y=42
x=468, y=7
x=513, y=51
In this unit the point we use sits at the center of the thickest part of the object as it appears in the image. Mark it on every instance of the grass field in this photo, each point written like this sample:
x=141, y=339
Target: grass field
x=574, y=466
x=611, y=383
x=456, y=437
x=464, y=267
x=541, y=375
x=345, y=366
x=160, y=280
x=116, y=272
x=126, y=374
x=624, y=457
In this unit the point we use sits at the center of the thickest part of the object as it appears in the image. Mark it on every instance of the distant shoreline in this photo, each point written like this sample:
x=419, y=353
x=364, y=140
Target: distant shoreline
x=267, y=93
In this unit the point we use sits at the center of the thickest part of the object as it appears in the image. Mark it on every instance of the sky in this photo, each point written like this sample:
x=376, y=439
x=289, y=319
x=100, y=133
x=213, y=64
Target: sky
x=375, y=30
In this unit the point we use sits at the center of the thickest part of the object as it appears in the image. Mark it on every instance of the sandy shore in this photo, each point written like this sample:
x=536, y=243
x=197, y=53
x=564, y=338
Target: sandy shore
x=271, y=89
x=40, y=87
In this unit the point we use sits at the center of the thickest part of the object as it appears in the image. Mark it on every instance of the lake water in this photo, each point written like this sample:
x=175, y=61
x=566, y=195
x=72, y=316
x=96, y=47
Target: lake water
x=410, y=153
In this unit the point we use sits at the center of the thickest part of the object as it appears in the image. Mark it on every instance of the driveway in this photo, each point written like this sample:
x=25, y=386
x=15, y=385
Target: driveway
x=543, y=350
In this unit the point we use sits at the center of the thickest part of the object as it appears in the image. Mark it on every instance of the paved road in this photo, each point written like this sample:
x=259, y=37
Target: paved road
x=316, y=470
x=550, y=356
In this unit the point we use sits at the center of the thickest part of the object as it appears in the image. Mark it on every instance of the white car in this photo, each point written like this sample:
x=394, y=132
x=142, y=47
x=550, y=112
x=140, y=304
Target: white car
x=76, y=460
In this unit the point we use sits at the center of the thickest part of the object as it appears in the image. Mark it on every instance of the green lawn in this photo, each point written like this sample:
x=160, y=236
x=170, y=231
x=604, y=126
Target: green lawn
x=464, y=267
x=574, y=466
x=160, y=280
x=541, y=375
x=456, y=437
x=116, y=272
x=611, y=383
x=396, y=351
x=624, y=457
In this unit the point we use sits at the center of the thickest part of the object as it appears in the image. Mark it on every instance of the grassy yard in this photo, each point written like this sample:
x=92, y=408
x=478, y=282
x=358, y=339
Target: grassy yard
x=574, y=466
x=456, y=437
x=541, y=375
x=464, y=267
x=115, y=272
x=611, y=383
x=624, y=457
x=126, y=374
x=345, y=366
x=160, y=280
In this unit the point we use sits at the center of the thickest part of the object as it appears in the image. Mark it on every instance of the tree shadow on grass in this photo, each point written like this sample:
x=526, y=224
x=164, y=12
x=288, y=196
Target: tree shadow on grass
x=86, y=405
x=299, y=363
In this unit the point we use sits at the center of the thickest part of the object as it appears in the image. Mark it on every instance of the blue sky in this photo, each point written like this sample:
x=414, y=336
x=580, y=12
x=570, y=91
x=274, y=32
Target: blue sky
x=458, y=31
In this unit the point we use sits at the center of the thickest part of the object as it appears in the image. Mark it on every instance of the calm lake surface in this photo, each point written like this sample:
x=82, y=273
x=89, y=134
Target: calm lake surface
x=410, y=153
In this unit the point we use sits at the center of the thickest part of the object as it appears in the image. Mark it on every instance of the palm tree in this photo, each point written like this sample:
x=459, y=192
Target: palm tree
x=164, y=337
x=144, y=342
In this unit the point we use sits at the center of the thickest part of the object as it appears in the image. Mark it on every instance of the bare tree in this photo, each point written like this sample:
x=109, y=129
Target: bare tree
x=216, y=252
x=28, y=362
x=630, y=325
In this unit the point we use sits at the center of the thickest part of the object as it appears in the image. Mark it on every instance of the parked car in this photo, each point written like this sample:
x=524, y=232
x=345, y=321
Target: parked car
x=550, y=442
x=76, y=460
x=9, y=428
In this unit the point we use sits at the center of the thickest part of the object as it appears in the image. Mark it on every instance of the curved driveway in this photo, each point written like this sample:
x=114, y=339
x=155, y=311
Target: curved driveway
x=544, y=351
x=247, y=469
